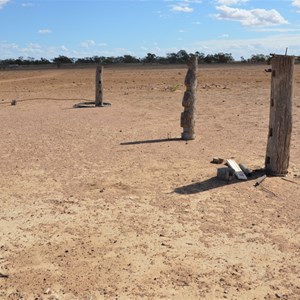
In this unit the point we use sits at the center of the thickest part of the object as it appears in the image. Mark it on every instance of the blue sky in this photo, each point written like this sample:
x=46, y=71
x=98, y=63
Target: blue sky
x=81, y=28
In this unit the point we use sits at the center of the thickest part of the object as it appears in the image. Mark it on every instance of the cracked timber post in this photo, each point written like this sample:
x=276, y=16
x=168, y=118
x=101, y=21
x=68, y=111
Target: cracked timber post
x=189, y=99
x=99, y=86
x=280, y=128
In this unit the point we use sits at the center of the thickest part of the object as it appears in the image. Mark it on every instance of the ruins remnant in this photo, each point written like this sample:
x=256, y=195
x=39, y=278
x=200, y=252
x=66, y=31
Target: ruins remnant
x=280, y=125
x=99, y=86
x=189, y=99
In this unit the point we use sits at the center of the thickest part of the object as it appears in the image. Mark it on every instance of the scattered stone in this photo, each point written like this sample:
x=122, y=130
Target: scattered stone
x=217, y=160
x=225, y=174
x=47, y=291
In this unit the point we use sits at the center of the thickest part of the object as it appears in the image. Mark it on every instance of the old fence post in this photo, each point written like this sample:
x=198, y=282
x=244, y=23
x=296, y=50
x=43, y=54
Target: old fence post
x=189, y=99
x=280, y=128
x=99, y=86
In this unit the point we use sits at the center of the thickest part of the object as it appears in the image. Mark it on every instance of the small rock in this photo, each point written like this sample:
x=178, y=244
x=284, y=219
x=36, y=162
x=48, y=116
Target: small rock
x=47, y=291
x=13, y=102
x=278, y=295
x=226, y=174
x=217, y=160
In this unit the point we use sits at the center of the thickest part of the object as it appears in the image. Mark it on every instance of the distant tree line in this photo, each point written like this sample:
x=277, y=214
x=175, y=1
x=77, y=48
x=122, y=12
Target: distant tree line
x=181, y=57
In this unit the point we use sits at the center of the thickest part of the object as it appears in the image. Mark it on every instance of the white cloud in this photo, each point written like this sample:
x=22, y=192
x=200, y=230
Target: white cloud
x=272, y=43
x=27, y=4
x=185, y=1
x=181, y=8
x=91, y=44
x=192, y=1
x=13, y=50
x=231, y=2
x=3, y=2
x=183, y=5
x=280, y=30
x=297, y=4
x=225, y=36
x=253, y=17
x=7, y=47
x=87, y=44
x=31, y=49
x=44, y=31
x=247, y=47
x=64, y=48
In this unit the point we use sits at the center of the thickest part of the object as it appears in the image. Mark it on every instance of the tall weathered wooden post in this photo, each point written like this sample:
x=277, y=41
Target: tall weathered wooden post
x=280, y=128
x=189, y=99
x=99, y=86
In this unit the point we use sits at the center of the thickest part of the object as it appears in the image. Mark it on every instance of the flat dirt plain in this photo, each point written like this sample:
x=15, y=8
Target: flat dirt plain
x=108, y=203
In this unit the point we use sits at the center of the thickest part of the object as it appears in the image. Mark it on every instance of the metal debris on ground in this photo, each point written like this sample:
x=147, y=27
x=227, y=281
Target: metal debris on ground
x=260, y=180
x=246, y=170
x=237, y=170
x=289, y=180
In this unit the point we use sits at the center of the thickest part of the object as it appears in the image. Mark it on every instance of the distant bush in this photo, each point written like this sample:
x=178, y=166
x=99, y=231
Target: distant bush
x=181, y=57
x=259, y=58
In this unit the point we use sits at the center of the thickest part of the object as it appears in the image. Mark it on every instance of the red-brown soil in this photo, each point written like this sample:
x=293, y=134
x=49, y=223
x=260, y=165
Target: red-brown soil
x=107, y=203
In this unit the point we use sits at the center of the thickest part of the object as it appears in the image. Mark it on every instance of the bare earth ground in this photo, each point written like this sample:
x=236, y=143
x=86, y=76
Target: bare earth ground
x=105, y=203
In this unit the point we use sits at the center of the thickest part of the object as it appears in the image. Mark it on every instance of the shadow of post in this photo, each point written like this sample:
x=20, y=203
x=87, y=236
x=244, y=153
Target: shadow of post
x=151, y=141
x=213, y=183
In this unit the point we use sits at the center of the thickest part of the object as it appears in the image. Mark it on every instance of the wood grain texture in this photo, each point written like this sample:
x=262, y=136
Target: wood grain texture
x=99, y=86
x=189, y=99
x=280, y=126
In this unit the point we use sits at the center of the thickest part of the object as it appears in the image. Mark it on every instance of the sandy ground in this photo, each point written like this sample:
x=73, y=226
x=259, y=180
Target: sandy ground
x=107, y=203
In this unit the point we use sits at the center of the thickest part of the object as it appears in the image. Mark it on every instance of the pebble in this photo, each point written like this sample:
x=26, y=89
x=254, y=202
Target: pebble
x=217, y=160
